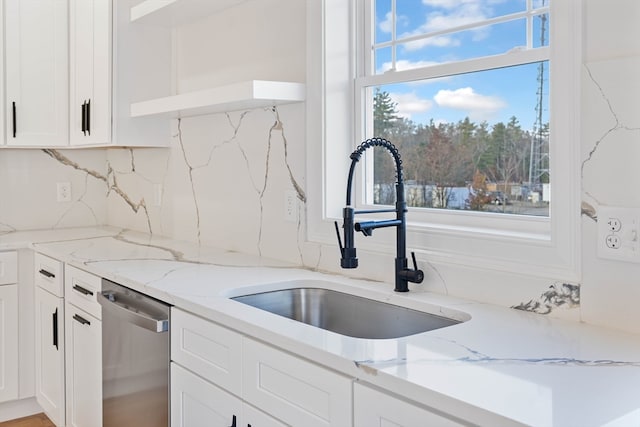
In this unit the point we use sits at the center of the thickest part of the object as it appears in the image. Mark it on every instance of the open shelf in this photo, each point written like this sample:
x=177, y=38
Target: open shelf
x=236, y=96
x=173, y=13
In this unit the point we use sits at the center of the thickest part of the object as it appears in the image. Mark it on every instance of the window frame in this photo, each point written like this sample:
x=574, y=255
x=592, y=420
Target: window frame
x=540, y=247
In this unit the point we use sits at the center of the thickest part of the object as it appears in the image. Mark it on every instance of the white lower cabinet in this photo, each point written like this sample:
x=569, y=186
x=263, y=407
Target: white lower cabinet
x=50, y=355
x=83, y=353
x=276, y=389
x=294, y=390
x=9, y=342
x=83, y=334
x=372, y=407
x=252, y=417
x=68, y=344
x=198, y=403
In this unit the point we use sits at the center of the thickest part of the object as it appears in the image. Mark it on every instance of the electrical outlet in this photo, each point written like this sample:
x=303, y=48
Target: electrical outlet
x=618, y=230
x=290, y=206
x=614, y=224
x=63, y=191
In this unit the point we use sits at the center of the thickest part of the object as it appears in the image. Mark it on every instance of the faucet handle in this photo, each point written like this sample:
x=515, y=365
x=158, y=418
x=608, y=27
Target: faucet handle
x=417, y=275
x=413, y=258
x=339, y=238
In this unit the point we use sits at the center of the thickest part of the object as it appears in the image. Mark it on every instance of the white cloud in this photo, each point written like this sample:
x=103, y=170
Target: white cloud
x=465, y=14
x=404, y=64
x=386, y=25
x=454, y=13
x=439, y=41
x=446, y=4
x=475, y=105
x=409, y=104
x=450, y=4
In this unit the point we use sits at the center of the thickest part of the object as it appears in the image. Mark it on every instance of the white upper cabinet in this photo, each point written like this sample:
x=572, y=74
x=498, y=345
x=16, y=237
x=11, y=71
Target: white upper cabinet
x=36, y=57
x=90, y=71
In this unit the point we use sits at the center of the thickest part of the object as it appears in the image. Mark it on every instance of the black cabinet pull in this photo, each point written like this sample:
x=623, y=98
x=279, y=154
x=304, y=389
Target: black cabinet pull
x=82, y=290
x=46, y=273
x=14, y=118
x=84, y=117
x=88, y=121
x=55, y=328
x=233, y=422
x=81, y=319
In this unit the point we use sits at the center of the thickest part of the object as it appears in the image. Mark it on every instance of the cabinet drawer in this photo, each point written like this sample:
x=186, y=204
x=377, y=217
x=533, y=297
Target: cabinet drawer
x=373, y=408
x=81, y=290
x=8, y=267
x=49, y=274
x=210, y=350
x=301, y=393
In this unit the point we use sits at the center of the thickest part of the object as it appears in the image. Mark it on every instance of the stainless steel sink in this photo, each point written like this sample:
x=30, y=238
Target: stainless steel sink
x=346, y=314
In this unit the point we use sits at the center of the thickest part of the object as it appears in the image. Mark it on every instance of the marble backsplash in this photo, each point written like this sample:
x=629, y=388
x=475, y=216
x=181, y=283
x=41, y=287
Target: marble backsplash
x=222, y=182
x=28, y=189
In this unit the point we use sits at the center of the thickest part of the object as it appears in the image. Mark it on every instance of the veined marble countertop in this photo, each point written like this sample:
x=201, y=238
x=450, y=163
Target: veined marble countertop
x=499, y=367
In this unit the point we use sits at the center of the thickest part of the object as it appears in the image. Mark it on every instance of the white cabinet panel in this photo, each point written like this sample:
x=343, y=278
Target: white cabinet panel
x=50, y=355
x=296, y=391
x=207, y=349
x=83, y=334
x=81, y=290
x=251, y=417
x=375, y=408
x=8, y=267
x=90, y=71
x=36, y=61
x=49, y=274
x=9, y=340
x=198, y=403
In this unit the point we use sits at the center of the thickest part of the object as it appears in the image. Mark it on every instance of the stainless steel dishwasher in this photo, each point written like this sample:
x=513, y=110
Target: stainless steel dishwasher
x=135, y=358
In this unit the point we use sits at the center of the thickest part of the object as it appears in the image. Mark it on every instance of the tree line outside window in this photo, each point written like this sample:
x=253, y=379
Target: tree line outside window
x=463, y=165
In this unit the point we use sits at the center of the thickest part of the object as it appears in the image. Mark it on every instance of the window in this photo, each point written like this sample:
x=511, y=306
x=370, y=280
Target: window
x=346, y=80
x=462, y=88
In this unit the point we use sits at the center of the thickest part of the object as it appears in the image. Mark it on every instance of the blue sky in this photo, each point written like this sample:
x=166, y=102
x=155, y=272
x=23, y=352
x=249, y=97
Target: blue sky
x=493, y=96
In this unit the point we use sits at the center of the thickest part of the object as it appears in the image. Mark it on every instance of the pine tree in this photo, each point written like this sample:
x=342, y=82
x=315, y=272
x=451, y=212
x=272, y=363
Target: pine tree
x=384, y=114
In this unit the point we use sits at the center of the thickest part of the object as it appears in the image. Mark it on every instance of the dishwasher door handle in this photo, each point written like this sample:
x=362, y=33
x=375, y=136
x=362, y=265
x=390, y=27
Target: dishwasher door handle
x=136, y=318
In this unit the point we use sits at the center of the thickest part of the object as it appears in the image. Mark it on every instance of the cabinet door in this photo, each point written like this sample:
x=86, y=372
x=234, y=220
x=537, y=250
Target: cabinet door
x=198, y=403
x=90, y=71
x=8, y=267
x=83, y=334
x=374, y=408
x=251, y=417
x=50, y=355
x=36, y=58
x=294, y=390
x=9, y=339
x=209, y=350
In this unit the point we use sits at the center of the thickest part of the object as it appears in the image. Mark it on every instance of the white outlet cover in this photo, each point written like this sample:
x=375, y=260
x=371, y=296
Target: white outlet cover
x=618, y=230
x=290, y=206
x=63, y=191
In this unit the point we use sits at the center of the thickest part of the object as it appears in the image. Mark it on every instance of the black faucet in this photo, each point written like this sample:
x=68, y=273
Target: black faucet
x=349, y=259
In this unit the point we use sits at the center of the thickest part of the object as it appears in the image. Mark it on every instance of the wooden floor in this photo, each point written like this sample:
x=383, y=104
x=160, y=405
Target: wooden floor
x=38, y=420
